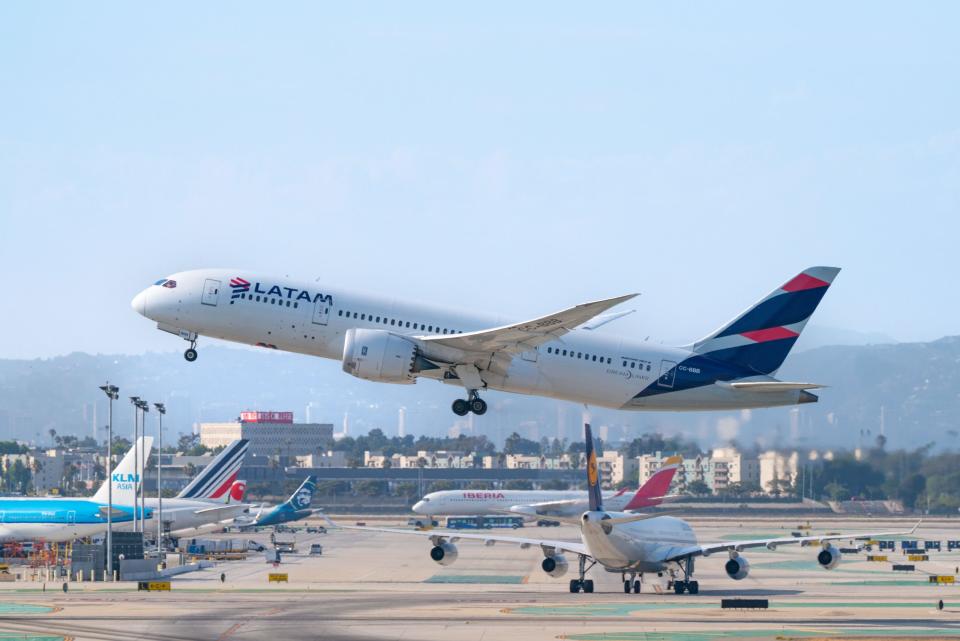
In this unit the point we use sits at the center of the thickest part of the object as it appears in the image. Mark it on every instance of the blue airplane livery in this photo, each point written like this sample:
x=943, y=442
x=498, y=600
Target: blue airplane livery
x=295, y=508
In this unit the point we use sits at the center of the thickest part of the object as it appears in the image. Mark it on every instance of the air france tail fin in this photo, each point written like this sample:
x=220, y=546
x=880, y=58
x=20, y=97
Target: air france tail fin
x=303, y=497
x=214, y=480
x=124, y=476
x=760, y=338
x=593, y=472
x=657, y=486
x=237, y=493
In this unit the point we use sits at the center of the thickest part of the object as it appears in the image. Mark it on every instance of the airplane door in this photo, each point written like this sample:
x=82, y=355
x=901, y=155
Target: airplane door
x=668, y=372
x=71, y=517
x=3, y=517
x=321, y=311
x=211, y=292
x=530, y=355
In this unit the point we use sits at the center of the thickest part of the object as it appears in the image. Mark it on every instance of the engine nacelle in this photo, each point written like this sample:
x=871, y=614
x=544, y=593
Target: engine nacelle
x=555, y=566
x=378, y=355
x=737, y=568
x=828, y=557
x=444, y=554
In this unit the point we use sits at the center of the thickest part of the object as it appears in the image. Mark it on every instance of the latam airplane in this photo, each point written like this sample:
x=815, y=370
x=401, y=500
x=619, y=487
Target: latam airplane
x=537, y=503
x=391, y=340
x=630, y=544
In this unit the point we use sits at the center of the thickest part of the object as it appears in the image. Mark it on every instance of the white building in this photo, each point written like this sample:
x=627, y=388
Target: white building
x=270, y=434
x=777, y=469
x=731, y=467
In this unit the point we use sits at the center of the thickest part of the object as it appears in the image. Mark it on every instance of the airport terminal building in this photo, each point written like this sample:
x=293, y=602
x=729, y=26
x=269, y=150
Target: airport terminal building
x=270, y=434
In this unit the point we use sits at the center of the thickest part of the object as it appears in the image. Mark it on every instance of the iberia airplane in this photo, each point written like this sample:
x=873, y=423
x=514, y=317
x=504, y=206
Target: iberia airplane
x=557, y=356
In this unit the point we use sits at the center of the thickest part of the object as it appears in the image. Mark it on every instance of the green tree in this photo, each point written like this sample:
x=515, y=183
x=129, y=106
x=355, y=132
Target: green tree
x=518, y=484
x=698, y=488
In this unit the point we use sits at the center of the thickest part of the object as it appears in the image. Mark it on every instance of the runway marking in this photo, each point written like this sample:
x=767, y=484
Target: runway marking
x=474, y=579
x=774, y=633
x=628, y=609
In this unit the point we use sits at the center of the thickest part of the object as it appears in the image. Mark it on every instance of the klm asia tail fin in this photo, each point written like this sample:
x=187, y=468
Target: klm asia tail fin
x=124, y=476
x=593, y=472
x=303, y=497
x=760, y=338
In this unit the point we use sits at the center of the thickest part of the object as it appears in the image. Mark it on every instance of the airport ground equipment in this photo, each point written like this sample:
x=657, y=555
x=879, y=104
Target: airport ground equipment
x=277, y=577
x=903, y=567
x=882, y=558
x=931, y=545
x=918, y=557
x=943, y=579
x=953, y=544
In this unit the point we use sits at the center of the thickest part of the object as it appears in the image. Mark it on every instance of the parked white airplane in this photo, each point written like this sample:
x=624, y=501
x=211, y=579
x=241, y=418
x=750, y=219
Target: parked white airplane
x=631, y=544
x=204, y=504
x=545, y=503
x=391, y=340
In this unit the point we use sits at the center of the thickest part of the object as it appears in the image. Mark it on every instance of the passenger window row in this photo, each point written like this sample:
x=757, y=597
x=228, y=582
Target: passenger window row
x=393, y=322
x=580, y=355
x=270, y=301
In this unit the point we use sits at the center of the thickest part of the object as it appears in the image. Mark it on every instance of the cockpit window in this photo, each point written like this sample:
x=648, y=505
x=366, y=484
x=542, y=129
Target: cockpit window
x=161, y=281
x=170, y=284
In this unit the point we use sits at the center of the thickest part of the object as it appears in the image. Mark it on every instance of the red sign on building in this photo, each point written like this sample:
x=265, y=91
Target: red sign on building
x=266, y=417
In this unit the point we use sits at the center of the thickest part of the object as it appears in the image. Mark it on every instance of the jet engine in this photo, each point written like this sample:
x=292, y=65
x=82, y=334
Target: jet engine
x=737, y=568
x=444, y=554
x=828, y=557
x=377, y=355
x=555, y=566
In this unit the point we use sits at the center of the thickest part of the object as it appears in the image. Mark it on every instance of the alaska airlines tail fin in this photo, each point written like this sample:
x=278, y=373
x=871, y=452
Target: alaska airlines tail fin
x=760, y=338
x=303, y=497
x=652, y=492
x=124, y=476
x=215, y=479
x=593, y=472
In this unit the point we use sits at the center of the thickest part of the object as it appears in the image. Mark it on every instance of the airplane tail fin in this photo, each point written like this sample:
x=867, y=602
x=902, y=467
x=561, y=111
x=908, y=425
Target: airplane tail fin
x=124, y=476
x=237, y=492
x=655, y=489
x=303, y=497
x=215, y=480
x=760, y=338
x=593, y=472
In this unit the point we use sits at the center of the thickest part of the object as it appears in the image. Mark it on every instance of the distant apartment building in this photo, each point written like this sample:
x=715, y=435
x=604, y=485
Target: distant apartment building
x=440, y=459
x=270, y=434
x=615, y=468
x=777, y=470
x=732, y=467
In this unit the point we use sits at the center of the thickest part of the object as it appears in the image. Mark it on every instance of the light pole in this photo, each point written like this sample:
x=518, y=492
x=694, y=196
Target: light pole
x=136, y=452
x=161, y=410
x=113, y=393
x=141, y=488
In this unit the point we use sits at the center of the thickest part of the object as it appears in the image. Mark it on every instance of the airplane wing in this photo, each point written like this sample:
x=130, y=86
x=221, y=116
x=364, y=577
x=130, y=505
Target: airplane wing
x=678, y=553
x=524, y=336
x=488, y=539
x=768, y=386
x=230, y=510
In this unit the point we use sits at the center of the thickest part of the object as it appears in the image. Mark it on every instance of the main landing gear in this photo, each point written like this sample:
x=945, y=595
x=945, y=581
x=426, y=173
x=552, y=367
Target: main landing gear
x=582, y=584
x=687, y=584
x=473, y=404
x=633, y=583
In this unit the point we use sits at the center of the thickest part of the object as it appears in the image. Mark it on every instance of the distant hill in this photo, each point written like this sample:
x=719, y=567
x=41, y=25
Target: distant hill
x=917, y=385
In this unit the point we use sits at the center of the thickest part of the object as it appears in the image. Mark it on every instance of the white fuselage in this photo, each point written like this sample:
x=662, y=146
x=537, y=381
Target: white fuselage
x=640, y=546
x=497, y=502
x=304, y=317
x=184, y=517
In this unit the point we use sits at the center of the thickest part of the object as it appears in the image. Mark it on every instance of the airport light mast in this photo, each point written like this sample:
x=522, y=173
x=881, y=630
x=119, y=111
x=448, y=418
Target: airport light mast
x=141, y=488
x=113, y=393
x=161, y=410
x=136, y=451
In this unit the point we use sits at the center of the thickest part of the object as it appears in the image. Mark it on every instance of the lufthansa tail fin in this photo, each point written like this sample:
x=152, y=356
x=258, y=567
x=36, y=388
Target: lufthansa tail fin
x=655, y=489
x=593, y=472
x=760, y=338
x=124, y=476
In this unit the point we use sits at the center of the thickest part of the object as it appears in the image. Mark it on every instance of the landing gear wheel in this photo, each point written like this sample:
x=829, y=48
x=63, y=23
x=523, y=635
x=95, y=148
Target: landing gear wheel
x=575, y=585
x=588, y=586
x=636, y=586
x=190, y=355
x=626, y=587
x=461, y=407
x=693, y=587
x=478, y=406
x=679, y=587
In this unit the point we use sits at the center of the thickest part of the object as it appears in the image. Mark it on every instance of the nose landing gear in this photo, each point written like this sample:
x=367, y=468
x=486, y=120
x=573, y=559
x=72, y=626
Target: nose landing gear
x=191, y=353
x=474, y=403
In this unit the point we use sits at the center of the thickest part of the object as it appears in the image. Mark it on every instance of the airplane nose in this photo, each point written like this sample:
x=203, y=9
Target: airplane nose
x=418, y=507
x=139, y=303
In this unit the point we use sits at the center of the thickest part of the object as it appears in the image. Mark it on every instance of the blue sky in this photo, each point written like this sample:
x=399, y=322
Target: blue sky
x=510, y=158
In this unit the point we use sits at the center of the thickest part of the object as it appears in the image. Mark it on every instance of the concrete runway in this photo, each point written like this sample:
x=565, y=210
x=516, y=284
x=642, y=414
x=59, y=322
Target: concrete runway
x=372, y=586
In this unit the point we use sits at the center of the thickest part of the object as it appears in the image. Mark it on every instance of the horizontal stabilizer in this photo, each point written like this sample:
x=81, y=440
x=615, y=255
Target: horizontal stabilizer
x=768, y=386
